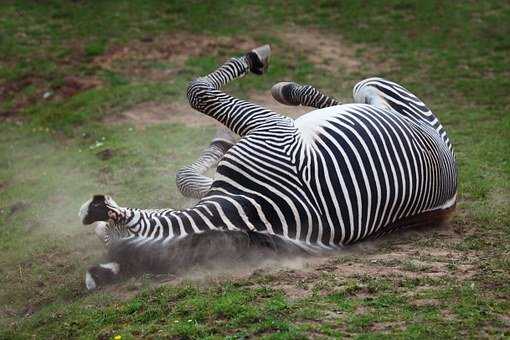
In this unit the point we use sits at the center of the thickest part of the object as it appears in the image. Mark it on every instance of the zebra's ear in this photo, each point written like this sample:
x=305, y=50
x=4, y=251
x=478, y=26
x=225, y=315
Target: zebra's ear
x=94, y=210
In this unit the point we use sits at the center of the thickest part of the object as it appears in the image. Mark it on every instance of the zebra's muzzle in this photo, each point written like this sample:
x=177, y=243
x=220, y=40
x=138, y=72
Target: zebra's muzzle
x=94, y=210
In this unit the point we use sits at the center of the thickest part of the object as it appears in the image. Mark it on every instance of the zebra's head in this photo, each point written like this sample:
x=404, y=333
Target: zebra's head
x=98, y=208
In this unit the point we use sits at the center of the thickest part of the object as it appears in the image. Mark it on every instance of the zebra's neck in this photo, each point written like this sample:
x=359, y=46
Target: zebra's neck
x=168, y=224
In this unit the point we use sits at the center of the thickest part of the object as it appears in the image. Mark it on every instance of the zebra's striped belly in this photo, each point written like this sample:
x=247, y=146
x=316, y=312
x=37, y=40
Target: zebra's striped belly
x=351, y=170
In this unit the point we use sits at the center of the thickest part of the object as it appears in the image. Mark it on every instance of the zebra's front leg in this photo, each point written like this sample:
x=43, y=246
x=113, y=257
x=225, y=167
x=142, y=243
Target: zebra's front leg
x=293, y=94
x=111, y=226
x=191, y=180
x=101, y=274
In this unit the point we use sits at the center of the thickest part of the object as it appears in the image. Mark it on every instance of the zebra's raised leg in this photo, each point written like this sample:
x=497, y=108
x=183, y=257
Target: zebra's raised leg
x=191, y=180
x=293, y=94
x=238, y=115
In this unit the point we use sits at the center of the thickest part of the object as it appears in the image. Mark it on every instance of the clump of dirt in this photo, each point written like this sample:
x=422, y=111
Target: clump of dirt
x=71, y=85
x=105, y=154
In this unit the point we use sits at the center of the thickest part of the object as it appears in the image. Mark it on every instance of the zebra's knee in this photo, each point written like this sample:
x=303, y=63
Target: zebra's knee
x=192, y=184
x=181, y=178
x=197, y=92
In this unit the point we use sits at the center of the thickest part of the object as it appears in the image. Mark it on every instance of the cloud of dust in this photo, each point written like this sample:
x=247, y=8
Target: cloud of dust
x=220, y=254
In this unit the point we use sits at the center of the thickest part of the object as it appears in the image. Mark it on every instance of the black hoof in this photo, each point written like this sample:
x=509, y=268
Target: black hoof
x=258, y=59
x=282, y=92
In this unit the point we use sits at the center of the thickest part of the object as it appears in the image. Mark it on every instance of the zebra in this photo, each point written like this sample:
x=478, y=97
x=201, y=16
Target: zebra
x=342, y=173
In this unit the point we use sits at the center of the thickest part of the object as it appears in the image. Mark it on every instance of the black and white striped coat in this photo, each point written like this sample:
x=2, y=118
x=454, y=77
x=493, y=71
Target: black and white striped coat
x=334, y=176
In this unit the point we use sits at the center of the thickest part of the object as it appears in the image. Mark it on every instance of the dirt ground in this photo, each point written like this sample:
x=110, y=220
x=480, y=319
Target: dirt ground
x=326, y=51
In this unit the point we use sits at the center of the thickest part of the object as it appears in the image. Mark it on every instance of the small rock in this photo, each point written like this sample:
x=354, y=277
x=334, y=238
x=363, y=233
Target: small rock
x=47, y=94
x=105, y=155
x=28, y=310
x=147, y=39
x=17, y=207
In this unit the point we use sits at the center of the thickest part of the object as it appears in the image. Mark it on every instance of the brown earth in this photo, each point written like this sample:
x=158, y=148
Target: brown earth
x=134, y=60
x=326, y=51
x=396, y=257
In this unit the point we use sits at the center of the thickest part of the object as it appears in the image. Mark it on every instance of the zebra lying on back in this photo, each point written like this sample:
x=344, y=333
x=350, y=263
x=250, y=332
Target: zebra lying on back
x=336, y=175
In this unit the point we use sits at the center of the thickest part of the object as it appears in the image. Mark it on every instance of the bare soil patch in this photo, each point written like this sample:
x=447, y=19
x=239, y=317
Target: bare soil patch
x=15, y=89
x=139, y=59
x=389, y=326
x=30, y=90
x=3, y=185
x=332, y=53
x=73, y=84
x=324, y=50
x=153, y=113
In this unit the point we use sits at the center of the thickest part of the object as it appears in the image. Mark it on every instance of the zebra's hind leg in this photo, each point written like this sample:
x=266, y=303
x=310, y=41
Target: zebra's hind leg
x=101, y=274
x=241, y=117
x=293, y=94
x=191, y=180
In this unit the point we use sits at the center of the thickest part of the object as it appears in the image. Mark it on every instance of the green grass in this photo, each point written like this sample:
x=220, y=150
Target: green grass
x=454, y=55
